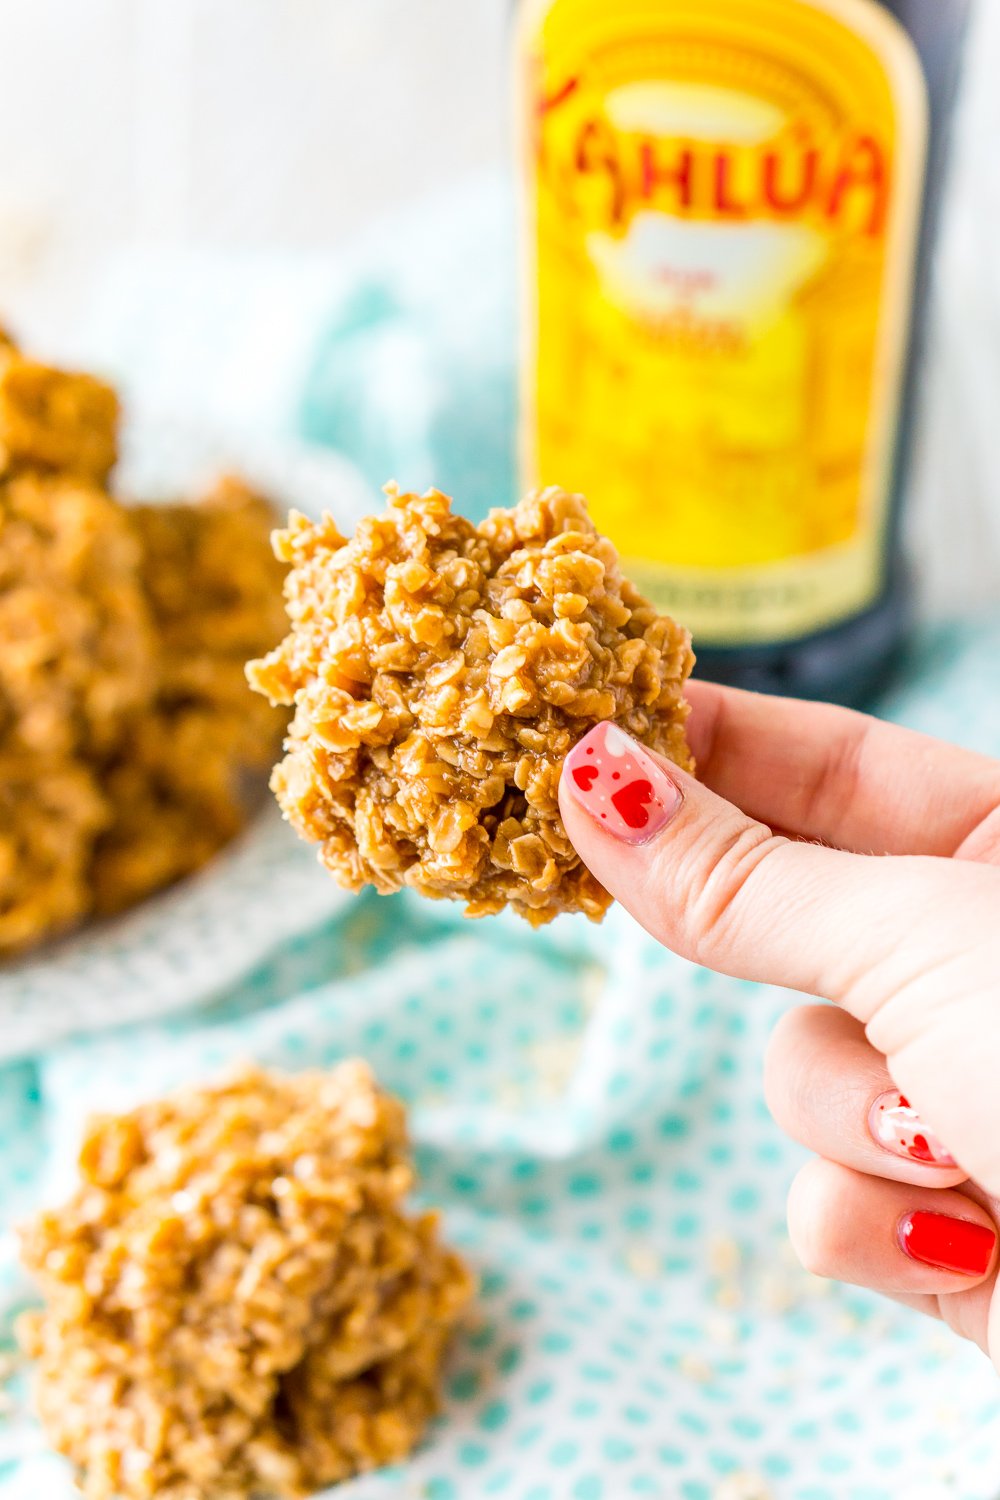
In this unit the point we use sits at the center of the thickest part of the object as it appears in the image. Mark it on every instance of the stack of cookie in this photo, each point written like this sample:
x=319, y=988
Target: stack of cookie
x=126, y=730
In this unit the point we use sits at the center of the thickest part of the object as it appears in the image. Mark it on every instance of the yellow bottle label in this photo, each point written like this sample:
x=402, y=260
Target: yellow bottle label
x=722, y=217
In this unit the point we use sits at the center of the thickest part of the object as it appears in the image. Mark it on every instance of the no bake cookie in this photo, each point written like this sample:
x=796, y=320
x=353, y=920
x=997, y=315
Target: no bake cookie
x=127, y=731
x=440, y=672
x=237, y=1302
x=177, y=785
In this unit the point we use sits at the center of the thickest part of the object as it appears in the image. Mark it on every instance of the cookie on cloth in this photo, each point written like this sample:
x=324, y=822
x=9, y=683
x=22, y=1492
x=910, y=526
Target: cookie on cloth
x=237, y=1302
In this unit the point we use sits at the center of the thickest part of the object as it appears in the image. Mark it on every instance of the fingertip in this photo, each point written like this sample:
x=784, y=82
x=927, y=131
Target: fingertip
x=830, y=1090
x=889, y=1236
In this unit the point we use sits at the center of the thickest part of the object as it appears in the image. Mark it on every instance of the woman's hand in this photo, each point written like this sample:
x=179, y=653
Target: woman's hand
x=852, y=860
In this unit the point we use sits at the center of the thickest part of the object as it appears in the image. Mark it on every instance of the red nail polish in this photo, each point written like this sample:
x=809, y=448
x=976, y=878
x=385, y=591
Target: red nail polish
x=620, y=785
x=948, y=1243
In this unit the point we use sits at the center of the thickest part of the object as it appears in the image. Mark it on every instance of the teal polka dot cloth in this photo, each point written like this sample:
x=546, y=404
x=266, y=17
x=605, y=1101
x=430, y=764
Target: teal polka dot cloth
x=588, y=1111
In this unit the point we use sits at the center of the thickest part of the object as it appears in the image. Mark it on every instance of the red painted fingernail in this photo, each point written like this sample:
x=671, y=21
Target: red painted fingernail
x=620, y=785
x=950, y=1244
x=897, y=1127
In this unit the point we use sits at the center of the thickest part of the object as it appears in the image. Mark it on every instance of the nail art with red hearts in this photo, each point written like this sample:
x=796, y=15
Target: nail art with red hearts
x=897, y=1127
x=620, y=785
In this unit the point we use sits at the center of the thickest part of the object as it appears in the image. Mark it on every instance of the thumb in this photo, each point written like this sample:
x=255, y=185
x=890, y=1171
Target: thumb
x=719, y=888
x=909, y=945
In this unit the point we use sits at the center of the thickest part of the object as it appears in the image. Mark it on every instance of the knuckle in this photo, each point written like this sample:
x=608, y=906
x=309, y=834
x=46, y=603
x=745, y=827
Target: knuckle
x=720, y=875
x=841, y=768
x=983, y=843
x=815, y=1227
x=796, y=1059
x=784, y=1057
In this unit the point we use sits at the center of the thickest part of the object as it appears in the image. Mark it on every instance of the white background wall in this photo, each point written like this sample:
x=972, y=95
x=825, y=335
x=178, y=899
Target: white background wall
x=278, y=123
x=290, y=124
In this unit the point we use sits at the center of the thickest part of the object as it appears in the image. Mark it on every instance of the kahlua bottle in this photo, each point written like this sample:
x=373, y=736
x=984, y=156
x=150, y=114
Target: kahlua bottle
x=729, y=207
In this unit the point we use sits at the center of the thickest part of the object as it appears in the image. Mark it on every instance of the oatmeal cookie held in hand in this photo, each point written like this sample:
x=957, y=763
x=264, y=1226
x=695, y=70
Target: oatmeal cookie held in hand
x=440, y=672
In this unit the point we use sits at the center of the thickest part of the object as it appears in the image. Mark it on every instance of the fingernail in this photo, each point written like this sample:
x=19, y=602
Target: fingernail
x=950, y=1244
x=620, y=785
x=897, y=1127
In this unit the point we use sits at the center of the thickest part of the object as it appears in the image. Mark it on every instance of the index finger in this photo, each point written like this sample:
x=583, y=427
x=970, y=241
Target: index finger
x=828, y=773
